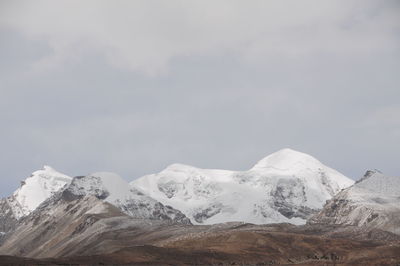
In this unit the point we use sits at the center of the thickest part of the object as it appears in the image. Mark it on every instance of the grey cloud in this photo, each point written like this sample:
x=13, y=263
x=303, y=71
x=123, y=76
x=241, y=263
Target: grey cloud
x=146, y=37
x=212, y=85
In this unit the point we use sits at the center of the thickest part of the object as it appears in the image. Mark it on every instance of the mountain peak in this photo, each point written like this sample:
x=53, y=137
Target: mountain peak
x=285, y=159
x=48, y=171
x=37, y=188
x=179, y=167
x=375, y=181
x=48, y=168
x=286, y=186
x=372, y=202
x=370, y=174
x=101, y=184
x=111, y=188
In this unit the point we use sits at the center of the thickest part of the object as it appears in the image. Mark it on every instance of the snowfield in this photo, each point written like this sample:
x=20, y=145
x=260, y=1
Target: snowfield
x=40, y=186
x=286, y=186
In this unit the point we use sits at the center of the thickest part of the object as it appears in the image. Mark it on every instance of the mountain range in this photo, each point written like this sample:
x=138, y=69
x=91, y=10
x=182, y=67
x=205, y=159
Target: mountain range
x=287, y=186
x=288, y=203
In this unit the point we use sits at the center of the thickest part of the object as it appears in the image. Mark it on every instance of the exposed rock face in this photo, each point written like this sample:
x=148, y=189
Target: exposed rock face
x=91, y=222
x=286, y=197
x=70, y=224
x=55, y=223
x=113, y=189
x=72, y=214
x=48, y=184
x=287, y=186
x=373, y=202
x=7, y=218
x=8, y=221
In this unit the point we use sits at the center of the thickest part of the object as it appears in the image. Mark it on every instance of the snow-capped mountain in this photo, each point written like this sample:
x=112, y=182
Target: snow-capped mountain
x=373, y=202
x=111, y=188
x=47, y=184
x=59, y=224
x=37, y=188
x=286, y=186
x=41, y=185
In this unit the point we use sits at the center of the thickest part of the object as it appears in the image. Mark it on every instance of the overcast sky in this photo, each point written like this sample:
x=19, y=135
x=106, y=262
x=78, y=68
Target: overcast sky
x=133, y=86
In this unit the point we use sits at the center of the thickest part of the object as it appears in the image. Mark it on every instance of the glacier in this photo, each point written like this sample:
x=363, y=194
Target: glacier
x=286, y=186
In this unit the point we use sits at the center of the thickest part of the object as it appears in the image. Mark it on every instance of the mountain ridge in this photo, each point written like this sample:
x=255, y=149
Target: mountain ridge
x=299, y=183
x=372, y=202
x=50, y=185
x=100, y=219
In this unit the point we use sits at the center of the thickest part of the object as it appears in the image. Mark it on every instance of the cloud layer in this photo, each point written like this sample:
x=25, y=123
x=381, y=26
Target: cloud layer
x=132, y=86
x=146, y=37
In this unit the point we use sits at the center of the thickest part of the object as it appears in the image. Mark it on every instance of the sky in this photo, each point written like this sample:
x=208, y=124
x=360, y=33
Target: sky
x=133, y=86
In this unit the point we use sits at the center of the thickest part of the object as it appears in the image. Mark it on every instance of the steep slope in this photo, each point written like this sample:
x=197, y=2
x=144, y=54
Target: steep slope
x=53, y=226
x=110, y=238
x=7, y=217
x=40, y=186
x=372, y=202
x=287, y=186
x=37, y=188
x=79, y=217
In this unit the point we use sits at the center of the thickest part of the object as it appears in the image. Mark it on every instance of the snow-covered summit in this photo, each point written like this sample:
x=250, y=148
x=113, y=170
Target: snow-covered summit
x=103, y=185
x=49, y=186
x=286, y=186
x=287, y=159
x=41, y=185
x=375, y=181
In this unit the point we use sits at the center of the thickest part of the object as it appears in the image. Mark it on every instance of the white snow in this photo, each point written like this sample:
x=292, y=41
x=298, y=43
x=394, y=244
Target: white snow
x=37, y=188
x=381, y=184
x=286, y=179
x=118, y=188
x=377, y=192
x=246, y=196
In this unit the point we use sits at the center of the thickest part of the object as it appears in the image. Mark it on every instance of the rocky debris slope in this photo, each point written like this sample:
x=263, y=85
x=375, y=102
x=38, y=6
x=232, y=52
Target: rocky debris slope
x=72, y=222
x=372, y=202
x=54, y=225
x=287, y=186
x=47, y=184
x=127, y=241
x=82, y=211
x=86, y=223
x=7, y=217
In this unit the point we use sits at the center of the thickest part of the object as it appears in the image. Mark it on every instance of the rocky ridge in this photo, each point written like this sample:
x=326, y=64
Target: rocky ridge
x=372, y=202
